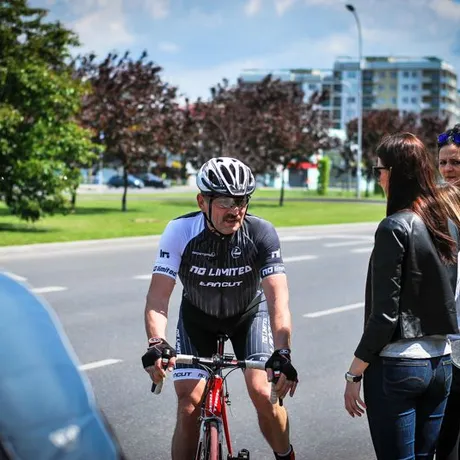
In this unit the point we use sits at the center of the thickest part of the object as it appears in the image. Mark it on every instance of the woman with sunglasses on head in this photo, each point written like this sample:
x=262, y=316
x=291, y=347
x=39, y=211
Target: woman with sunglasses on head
x=449, y=155
x=449, y=165
x=404, y=352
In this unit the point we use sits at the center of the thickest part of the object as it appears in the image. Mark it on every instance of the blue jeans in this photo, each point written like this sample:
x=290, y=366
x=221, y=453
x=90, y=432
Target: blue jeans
x=405, y=400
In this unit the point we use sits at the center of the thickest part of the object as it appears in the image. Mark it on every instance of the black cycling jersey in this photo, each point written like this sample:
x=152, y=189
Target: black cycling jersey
x=221, y=275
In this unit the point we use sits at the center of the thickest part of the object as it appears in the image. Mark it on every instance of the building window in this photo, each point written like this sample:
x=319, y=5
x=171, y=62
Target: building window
x=351, y=74
x=383, y=74
x=394, y=74
x=414, y=100
x=351, y=99
x=405, y=87
x=414, y=73
x=405, y=100
x=312, y=86
x=414, y=87
x=406, y=74
x=381, y=87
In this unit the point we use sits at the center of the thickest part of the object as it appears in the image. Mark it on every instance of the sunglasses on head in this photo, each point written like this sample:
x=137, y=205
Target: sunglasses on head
x=448, y=137
x=377, y=171
x=230, y=202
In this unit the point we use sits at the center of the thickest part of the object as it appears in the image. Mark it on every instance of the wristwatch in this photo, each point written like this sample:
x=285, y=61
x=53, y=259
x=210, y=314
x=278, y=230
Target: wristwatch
x=352, y=378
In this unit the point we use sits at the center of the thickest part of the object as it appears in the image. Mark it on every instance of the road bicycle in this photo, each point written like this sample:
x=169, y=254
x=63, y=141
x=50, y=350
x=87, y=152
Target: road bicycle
x=213, y=420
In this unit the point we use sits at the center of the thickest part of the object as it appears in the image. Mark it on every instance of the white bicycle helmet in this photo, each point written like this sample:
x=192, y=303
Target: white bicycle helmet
x=225, y=176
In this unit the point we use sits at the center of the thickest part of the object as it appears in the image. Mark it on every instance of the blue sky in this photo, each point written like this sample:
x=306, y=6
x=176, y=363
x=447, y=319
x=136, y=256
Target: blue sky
x=198, y=42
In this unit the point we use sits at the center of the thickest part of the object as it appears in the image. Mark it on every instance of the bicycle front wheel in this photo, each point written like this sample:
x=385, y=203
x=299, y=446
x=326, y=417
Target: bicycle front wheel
x=211, y=449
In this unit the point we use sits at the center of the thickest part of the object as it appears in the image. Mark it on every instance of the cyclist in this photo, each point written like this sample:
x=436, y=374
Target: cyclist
x=48, y=410
x=233, y=275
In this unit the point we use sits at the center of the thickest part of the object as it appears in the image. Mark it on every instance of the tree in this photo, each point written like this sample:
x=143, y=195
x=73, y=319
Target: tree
x=130, y=108
x=265, y=124
x=40, y=140
x=377, y=123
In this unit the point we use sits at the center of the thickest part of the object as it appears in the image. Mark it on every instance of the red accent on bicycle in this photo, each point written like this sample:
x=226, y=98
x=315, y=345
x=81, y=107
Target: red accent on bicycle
x=214, y=422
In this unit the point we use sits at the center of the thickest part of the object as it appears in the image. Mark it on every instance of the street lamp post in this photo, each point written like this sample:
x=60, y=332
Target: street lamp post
x=352, y=9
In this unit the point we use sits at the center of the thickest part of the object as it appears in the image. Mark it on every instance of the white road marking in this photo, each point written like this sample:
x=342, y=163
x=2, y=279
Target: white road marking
x=343, y=243
x=142, y=277
x=15, y=277
x=332, y=311
x=289, y=238
x=360, y=250
x=299, y=258
x=96, y=364
x=45, y=290
x=350, y=237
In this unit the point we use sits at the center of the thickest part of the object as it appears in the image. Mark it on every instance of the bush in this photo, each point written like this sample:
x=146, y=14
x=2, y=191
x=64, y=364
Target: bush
x=324, y=168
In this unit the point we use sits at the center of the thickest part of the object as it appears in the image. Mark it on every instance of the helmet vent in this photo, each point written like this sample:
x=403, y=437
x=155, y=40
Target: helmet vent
x=224, y=171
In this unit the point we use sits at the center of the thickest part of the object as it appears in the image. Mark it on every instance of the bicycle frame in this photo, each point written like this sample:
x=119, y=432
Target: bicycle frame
x=214, y=407
x=214, y=422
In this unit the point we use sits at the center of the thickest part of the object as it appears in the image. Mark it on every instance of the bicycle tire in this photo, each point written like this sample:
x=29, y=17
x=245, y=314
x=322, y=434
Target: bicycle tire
x=212, y=449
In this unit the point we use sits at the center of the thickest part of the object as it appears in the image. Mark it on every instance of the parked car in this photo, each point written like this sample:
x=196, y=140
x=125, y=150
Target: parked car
x=118, y=181
x=150, y=180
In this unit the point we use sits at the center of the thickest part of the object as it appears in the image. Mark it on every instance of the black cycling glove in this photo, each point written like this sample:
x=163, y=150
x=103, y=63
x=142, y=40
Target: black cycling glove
x=155, y=351
x=280, y=360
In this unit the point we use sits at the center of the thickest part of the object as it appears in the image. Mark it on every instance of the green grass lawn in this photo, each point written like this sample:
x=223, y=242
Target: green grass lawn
x=101, y=218
x=264, y=194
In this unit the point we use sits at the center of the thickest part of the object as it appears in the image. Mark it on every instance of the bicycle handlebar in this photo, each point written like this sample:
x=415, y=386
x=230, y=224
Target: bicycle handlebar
x=220, y=362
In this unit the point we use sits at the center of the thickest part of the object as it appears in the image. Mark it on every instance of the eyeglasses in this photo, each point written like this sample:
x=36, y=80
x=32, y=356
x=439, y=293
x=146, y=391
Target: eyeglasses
x=448, y=137
x=377, y=171
x=229, y=202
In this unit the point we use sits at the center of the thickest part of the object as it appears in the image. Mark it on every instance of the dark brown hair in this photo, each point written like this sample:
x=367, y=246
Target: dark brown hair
x=413, y=186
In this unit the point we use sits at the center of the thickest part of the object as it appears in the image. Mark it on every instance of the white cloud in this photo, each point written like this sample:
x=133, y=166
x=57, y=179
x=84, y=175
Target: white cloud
x=252, y=7
x=159, y=9
x=446, y=9
x=282, y=6
x=194, y=83
x=104, y=29
x=199, y=18
x=325, y=2
x=321, y=53
x=168, y=47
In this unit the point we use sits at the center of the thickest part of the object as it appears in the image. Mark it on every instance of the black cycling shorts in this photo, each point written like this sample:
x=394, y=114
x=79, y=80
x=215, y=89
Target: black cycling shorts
x=196, y=334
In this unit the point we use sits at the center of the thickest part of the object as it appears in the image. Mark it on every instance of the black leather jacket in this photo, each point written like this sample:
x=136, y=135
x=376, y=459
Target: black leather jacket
x=409, y=290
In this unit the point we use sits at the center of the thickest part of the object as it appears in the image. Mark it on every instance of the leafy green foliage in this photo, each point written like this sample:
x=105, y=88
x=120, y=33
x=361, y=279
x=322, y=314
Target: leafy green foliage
x=324, y=168
x=41, y=144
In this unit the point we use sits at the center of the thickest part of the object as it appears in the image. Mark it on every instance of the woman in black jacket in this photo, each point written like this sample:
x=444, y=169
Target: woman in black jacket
x=404, y=352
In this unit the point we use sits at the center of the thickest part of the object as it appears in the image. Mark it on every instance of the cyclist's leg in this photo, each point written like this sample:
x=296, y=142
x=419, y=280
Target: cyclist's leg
x=189, y=384
x=254, y=340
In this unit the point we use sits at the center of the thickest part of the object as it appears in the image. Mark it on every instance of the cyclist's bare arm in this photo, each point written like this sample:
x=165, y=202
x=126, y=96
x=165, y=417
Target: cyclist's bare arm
x=156, y=308
x=156, y=317
x=276, y=292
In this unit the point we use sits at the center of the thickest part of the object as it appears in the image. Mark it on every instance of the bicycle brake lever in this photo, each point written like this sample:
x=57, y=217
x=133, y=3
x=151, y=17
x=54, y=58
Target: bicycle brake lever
x=156, y=388
x=273, y=395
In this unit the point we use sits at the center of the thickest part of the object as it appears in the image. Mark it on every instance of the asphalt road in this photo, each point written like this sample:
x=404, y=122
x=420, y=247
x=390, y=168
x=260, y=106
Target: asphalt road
x=98, y=291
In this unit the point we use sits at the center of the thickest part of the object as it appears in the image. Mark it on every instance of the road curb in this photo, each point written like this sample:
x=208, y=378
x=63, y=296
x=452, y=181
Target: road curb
x=150, y=239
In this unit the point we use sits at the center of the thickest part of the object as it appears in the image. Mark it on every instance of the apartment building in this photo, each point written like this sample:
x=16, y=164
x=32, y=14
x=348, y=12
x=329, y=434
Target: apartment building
x=426, y=85
x=310, y=80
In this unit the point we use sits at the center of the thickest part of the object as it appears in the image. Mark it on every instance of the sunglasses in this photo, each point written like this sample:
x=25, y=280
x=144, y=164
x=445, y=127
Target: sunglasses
x=377, y=171
x=230, y=202
x=448, y=137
